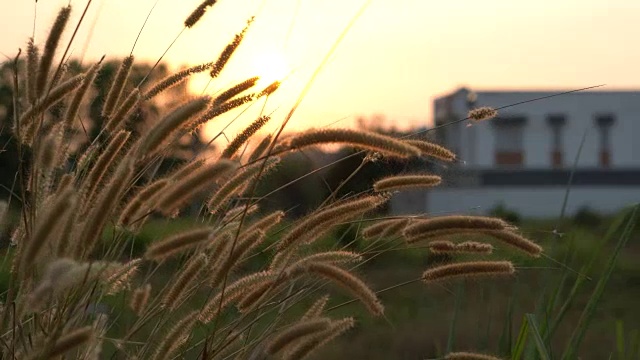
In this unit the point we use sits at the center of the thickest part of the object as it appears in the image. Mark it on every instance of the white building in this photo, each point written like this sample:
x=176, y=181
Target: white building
x=524, y=157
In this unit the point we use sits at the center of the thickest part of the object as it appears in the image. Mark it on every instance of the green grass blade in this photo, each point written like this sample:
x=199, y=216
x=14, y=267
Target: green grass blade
x=506, y=338
x=533, y=325
x=454, y=319
x=521, y=343
x=589, y=310
x=634, y=346
x=618, y=222
x=620, y=339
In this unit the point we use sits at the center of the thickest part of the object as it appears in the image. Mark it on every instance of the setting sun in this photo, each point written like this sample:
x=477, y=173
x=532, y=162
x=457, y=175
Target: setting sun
x=270, y=66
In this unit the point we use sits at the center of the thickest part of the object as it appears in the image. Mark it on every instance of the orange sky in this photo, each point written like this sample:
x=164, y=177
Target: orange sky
x=396, y=58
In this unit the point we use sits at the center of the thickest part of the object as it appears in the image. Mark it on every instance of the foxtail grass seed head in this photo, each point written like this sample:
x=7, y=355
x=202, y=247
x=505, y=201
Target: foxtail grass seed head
x=516, y=240
x=177, y=336
x=482, y=113
x=185, y=280
x=33, y=56
x=259, y=150
x=464, y=355
x=55, y=215
x=175, y=79
x=385, y=228
x=474, y=247
x=100, y=213
x=233, y=292
x=235, y=213
x=294, y=332
x=270, y=89
x=140, y=298
x=105, y=161
x=226, y=191
x=418, y=228
x=243, y=137
x=69, y=341
x=320, y=222
x=468, y=269
x=235, y=90
x=140, y=202
x=306, y=346
x=50, y=99
x=124, y=111
x=215, y=111
x=50, y=49
x=183, y=191
x=357, y=138
x=117, y=86
x=178, y=243
x=316, y=308
x=405, y=182
x=442, y=247
x=78, y=96
x=350, y=283
x=433, y=150
x=170, y=124
x=228, y=52
x=193, y=18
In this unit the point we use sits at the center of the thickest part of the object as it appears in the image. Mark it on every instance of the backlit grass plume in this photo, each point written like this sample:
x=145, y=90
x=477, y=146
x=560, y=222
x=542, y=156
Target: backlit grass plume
x=468, y=269
x=49, y=50
x=482, y=113
x=404, y=182
x=362, y=139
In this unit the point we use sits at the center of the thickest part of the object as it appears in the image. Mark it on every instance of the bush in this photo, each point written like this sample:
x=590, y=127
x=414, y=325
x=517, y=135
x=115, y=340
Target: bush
x=506, y=214
x=587, y=217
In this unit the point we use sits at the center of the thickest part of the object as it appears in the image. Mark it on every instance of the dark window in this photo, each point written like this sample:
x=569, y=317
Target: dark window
x=509, y=133
x=604, y=122
x=556, y=122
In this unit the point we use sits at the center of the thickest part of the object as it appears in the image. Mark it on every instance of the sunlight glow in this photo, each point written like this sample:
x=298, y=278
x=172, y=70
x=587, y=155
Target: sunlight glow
x=270, y=66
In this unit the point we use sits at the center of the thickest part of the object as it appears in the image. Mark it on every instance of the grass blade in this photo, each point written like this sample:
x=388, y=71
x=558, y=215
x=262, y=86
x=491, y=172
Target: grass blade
x=620, y=339
x=521, y=343
x=613, y=229
x=533, y=325
x=587, y=314
x=454, y=320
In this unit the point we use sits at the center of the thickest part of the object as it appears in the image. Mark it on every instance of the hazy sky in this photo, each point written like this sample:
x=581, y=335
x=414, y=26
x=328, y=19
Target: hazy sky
x=396, y=58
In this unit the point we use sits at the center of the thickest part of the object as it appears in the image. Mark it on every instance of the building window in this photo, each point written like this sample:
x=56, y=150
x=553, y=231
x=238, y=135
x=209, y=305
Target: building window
x=509, y=133
x=556, y=123
x=604, y=123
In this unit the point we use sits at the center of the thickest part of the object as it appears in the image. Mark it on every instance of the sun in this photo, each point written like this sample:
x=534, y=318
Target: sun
x=270, y=66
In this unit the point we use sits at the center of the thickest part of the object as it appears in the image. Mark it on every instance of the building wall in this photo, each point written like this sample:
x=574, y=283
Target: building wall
x=476, y=144
x=541, y=202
